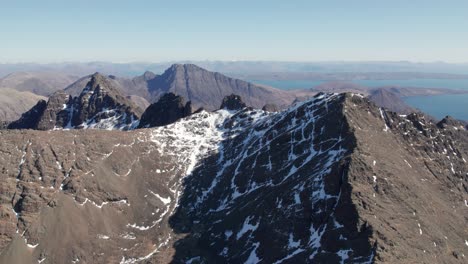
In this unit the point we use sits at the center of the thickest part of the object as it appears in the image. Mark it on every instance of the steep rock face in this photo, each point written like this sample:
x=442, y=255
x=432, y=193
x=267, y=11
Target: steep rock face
x=30, y=119
x=276, y=192
x=409, y=180
x=14, y=103
x=100, y=105
x=317, y=183
x=167, y=110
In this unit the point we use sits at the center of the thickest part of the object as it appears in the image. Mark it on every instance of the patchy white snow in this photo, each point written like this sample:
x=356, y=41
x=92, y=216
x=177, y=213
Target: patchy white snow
x=32, y=245
x=253, y=258
x=228, y=234
x=407, y=163
x=384, y=119
x=164, y=200
x=344, y=255
x=247, y=227
x=101, y=236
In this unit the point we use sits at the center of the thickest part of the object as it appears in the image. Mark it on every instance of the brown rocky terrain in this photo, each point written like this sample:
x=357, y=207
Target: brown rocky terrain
x=334, y=179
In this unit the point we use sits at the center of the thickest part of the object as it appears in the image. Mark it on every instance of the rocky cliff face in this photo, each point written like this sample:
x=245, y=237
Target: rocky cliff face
x=330, y=180
x=100, y=105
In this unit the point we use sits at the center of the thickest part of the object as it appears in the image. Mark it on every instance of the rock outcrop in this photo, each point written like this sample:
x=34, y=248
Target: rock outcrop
x=232, y=102
x=270, y=108
x=167, y=110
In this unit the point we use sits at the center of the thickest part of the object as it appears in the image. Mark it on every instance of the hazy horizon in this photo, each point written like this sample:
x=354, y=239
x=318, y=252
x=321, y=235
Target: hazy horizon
x=158, y=31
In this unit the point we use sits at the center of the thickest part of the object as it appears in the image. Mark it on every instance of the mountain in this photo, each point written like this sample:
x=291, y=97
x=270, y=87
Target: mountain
x=390, y=100
x=137, y=86
x=40, y=83
x=206, y=89
x=315, y=183
x=203, y=88
x=100, y=105
x=13, y=103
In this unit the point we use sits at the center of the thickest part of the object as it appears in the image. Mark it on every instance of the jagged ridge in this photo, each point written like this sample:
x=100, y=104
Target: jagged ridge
x=316, y=182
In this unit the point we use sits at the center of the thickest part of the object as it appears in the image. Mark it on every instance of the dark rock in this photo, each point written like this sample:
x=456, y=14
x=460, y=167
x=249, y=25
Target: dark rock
x=270, y=108
x=31, y=118
x=232, y=102
x=167, y=110
x=450, y=121
x=4, y=124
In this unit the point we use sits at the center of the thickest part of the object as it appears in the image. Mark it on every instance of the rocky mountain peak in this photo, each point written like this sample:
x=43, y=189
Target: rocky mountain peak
x=449, y=121
x=384, y=97
x=99, y=105
x=206, y=89
x=232, y=102
x=101, y=84
x=167, y=110
x=148, y=75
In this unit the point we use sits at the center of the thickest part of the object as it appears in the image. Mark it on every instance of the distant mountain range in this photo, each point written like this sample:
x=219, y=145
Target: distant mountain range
x=241, y=68
x=40, y=83
x=203, y=88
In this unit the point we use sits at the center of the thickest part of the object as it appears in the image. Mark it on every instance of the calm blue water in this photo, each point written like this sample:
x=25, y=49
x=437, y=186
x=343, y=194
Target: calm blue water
x=455, y=105
x=438, y=106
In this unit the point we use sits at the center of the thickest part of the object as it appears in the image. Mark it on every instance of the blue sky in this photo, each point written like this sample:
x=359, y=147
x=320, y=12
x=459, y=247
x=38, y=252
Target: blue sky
x=153, y=31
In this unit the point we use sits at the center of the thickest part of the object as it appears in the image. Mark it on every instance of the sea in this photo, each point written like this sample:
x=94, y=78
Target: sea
x=437, y=106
